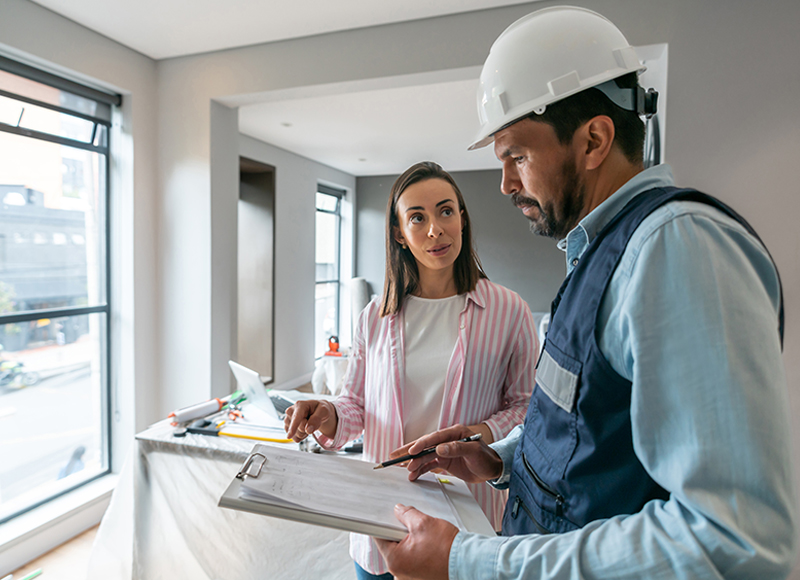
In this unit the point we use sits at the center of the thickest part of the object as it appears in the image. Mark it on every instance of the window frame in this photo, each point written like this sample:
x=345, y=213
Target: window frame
x=106, y=101
x=339, y=195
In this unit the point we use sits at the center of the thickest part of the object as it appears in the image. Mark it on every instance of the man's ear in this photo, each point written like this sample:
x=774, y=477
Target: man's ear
x=597, y=138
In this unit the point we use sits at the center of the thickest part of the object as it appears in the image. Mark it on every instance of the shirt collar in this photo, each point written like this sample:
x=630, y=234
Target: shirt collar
x=478, y=296
x=582, y=235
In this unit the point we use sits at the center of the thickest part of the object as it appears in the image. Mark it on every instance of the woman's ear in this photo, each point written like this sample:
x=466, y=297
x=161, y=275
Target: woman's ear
x=398, y=237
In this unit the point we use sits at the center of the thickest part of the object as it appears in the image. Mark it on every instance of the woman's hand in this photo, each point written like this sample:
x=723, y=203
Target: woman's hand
x=305, y=417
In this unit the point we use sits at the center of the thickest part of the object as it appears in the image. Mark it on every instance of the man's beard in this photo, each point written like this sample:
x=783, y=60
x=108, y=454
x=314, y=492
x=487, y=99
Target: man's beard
x=555, y=222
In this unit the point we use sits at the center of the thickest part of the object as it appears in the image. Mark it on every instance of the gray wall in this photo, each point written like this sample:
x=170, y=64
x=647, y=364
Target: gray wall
x=296, y=181
x=512, y=256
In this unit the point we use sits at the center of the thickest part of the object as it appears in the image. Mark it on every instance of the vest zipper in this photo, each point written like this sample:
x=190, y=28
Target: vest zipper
x=557, y=497
x=515, y=510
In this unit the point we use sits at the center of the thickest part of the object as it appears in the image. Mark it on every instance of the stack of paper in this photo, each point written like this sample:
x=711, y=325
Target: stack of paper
x=342, y=493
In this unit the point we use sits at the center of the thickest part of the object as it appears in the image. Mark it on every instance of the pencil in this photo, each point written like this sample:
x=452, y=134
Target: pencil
x=256, y=437
x=32, y=575
x=427, y=451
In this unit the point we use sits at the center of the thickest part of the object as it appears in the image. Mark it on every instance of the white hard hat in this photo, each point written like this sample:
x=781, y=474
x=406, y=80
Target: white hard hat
x=547, y=56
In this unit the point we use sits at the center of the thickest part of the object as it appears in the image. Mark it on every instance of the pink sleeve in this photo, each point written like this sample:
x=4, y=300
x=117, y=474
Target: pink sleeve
x=350, y=403
x=520, y=373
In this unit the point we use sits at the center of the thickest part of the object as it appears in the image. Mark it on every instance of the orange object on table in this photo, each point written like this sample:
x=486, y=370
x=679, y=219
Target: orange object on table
x=333, y=347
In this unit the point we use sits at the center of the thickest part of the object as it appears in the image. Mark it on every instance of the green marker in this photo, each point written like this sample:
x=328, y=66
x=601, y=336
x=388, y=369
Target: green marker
x=32, y=575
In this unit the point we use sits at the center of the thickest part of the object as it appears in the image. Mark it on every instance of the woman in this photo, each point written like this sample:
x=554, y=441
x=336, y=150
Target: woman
x=443, y=345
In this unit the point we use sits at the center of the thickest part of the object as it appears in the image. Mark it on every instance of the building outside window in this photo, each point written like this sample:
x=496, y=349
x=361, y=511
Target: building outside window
x=54, y=286
x=328, y=242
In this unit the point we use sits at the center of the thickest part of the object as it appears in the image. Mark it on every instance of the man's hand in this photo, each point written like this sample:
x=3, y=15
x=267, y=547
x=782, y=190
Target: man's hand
x=305, y=417
x=425, y=552
x=474, y=462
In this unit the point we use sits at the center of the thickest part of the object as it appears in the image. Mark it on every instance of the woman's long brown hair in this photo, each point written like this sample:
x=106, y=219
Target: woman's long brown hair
x=402, y=275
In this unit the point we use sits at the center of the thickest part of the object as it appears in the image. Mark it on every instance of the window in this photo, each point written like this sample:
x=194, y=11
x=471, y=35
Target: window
x=54, y=310
x=328, y=238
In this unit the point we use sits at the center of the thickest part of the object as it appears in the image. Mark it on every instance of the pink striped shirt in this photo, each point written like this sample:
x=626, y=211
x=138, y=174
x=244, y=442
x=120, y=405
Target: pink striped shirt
x=489, y=380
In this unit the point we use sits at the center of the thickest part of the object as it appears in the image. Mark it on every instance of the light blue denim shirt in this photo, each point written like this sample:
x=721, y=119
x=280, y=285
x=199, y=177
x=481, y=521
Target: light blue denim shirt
x=690, y=318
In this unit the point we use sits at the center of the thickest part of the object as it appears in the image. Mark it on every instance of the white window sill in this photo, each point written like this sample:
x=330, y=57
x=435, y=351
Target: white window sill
x=38, y=531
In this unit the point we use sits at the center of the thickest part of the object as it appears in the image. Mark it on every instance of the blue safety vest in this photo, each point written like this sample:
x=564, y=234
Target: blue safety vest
x=575, y=462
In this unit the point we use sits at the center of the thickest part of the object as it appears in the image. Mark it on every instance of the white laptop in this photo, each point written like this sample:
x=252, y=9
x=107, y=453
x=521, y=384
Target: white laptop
x=249, y=382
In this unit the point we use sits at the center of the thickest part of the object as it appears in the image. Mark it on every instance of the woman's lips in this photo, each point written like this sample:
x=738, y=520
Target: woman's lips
x=439, y=250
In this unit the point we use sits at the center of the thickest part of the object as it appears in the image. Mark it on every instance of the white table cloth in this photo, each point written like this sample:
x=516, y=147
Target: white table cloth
x=164, y=523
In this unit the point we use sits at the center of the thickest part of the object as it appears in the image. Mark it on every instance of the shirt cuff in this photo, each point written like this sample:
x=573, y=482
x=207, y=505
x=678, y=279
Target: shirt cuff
x=473, y=556
x=452, y=562
x=337, y=441
x=505, y=448
x=324, y=441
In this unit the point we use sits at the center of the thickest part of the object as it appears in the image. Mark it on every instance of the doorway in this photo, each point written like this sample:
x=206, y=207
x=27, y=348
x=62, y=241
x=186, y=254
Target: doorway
x=255, y=266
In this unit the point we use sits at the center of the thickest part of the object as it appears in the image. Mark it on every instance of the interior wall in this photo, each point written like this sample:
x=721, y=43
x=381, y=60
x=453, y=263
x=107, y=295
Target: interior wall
x=223, y=246
x=296, y=181
x=510, y=254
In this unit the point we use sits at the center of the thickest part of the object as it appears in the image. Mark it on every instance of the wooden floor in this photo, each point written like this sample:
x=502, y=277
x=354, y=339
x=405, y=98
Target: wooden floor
x=70, y=561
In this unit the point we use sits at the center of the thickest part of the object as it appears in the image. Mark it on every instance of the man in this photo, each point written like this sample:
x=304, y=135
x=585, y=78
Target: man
x=657, y=441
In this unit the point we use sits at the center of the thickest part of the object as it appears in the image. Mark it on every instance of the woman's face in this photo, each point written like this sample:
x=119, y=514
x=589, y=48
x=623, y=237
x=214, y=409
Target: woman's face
x=430, y=223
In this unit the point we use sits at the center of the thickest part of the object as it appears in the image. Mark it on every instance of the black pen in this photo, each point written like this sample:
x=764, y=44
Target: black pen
x=397, y=460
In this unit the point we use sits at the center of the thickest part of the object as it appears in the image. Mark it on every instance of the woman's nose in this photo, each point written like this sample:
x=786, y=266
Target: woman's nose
x=435, y=229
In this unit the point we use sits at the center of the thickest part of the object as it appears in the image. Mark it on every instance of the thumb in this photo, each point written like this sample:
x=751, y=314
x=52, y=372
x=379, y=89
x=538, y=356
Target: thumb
x=408, y=516
x=451, y=449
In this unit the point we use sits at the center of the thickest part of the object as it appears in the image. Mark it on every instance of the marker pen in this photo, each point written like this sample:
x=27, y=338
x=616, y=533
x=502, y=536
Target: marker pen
x=196, y=411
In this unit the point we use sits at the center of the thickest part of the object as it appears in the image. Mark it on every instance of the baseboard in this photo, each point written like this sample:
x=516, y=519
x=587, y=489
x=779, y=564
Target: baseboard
x=35, y=533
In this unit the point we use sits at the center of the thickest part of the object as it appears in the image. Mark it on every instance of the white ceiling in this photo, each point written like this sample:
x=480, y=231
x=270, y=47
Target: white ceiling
x=376, y=132
x=168, y=28
x=368, y=132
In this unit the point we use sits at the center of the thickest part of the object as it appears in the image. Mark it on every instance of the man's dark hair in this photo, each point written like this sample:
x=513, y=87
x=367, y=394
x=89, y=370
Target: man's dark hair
x=567, y=115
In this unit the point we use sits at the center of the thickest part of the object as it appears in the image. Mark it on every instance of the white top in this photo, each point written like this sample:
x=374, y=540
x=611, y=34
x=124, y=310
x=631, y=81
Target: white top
x=431, y=330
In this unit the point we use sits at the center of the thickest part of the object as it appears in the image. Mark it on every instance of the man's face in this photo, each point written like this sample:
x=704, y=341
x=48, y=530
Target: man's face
x=541, y=176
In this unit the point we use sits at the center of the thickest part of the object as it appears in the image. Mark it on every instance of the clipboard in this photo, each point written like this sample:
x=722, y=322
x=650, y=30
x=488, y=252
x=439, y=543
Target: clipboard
x=298, y=486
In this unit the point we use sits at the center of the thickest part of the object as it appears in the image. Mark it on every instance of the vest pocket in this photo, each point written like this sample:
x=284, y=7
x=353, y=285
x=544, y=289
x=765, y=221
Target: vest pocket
x=533, y=507
x=532, y=527
x=551, y=426
x=548, y=491
x=557, y=375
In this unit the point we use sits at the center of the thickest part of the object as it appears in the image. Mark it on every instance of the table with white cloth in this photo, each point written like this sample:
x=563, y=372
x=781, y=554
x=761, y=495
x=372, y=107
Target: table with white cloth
x=164, y=522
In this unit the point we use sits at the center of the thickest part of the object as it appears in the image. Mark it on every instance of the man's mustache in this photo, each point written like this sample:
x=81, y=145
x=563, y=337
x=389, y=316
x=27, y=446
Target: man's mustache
x=521, y=201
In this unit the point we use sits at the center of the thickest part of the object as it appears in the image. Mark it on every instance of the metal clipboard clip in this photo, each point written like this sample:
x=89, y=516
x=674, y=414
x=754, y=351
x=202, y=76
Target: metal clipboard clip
x=247, y=468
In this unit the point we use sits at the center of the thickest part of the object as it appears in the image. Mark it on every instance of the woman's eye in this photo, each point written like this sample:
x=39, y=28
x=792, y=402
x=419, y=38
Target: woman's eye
x=447, y=212
x=415, y=219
